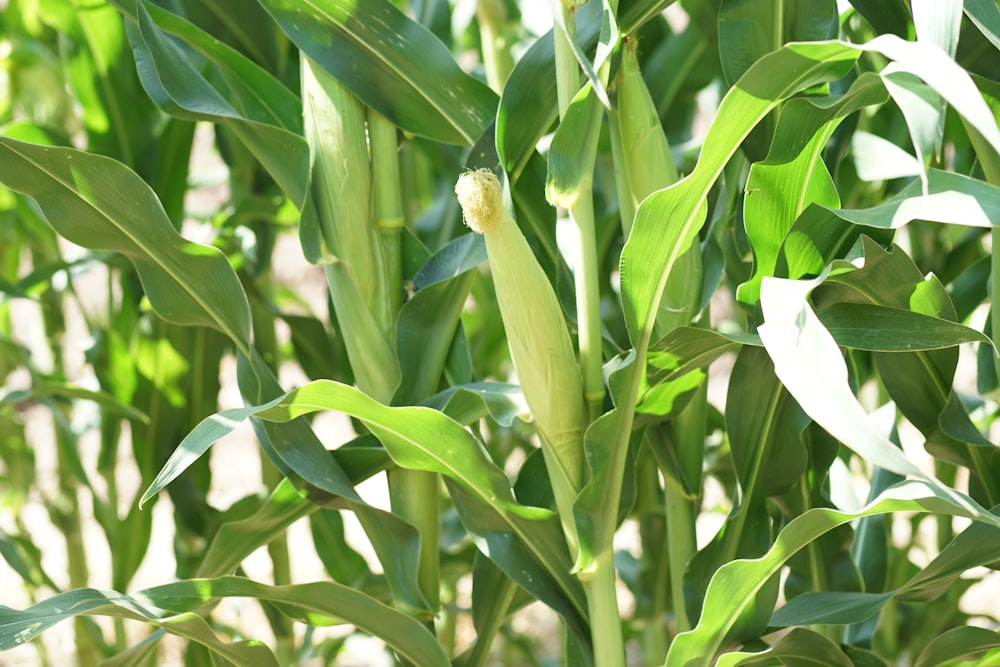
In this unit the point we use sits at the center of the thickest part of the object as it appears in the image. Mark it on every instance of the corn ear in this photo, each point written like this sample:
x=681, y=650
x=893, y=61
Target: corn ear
x=645, y=166
x=539, y=341
x=647, y=163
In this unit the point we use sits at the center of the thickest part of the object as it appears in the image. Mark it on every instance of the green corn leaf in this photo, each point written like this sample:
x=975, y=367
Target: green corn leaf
x=417, y=438
x=735, y=584
x=298, y=453
x=986, y=16
x=653, y=248
x=529, y=106
x=259, y=110
x=466, y=403
x=798, y=647
x=170, y=607
x=744, y=37
x=108, y=403
x=118, y=120
x=884, y=329
x=392, y=63
x=235, y=540
x=99, y=203
x=794, y=176
x=887, y=16
x=959, y=644
x=975, y=546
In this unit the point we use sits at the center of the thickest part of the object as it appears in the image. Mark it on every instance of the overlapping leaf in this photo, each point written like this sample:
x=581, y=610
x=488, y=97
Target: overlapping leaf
x=171, y=607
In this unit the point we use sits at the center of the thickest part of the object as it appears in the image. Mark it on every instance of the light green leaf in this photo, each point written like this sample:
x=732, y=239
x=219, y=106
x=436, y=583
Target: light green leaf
x=417, y=438
x=653, y=247
x=794, y=175
x=957, y=644
x=99, y=203
x=798, y=648
x=736, y=583
x=571, y=156
x=392, y=63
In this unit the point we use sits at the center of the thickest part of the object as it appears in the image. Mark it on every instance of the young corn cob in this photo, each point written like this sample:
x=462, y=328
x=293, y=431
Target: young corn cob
x=646, y=165
x=539, y=341
x=645, y=154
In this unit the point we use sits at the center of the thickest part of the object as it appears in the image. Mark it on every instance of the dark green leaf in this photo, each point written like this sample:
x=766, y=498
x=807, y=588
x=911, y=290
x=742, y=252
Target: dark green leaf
x=392, y=63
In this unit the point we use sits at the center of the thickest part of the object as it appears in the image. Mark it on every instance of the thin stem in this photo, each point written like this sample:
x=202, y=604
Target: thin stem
x=414, y=494
x=586, y=270
x=605, y=618
x=567, y=69
x=681, y=545
x=388, y=210
x=588, y=305
x=497, y=61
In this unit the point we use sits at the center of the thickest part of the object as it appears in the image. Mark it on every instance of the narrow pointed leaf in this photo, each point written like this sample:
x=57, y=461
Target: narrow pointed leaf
x=884, y=329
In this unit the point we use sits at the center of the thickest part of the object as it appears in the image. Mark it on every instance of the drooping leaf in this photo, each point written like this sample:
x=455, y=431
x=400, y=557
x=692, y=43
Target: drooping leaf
x=170, y=607
x=259, y=110
x=99, y=203
x=415, y=437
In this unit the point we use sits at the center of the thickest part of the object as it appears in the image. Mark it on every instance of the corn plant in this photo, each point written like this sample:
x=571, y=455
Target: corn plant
x=672, y=319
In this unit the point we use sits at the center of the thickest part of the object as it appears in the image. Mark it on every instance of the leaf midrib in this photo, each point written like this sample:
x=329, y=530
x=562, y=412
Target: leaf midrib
x=389, y=63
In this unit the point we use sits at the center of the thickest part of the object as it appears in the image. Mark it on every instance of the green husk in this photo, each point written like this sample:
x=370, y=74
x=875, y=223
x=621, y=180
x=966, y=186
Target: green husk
x=539, y=341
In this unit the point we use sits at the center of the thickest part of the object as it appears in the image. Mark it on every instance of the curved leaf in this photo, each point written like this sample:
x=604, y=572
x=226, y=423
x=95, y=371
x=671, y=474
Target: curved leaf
x=956, y=644
x=794, y=175
x=392, y=63
x=99, y=203
x=415, y=437
x=736, y=583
